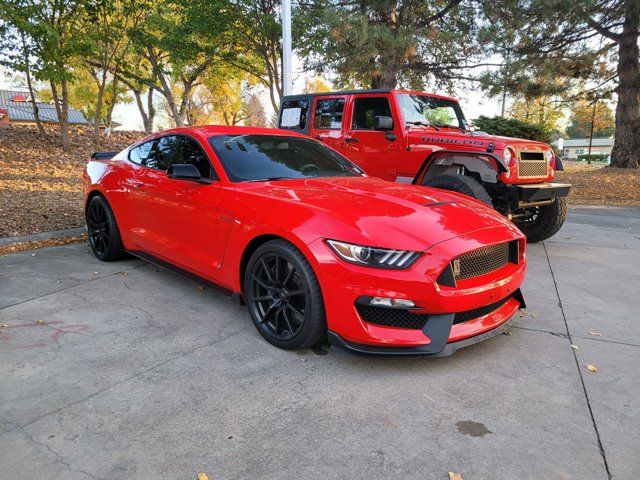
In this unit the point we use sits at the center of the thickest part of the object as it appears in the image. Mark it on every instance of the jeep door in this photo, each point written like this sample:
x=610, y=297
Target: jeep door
x=375, y=151
x=328, y=114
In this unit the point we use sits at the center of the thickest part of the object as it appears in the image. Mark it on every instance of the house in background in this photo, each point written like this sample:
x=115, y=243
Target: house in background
x=16, y=107
x=574, y=147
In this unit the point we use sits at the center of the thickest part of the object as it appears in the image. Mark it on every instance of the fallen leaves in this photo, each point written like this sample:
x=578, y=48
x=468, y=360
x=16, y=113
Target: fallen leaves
x=40, y=185
x=575, y=347
x=591, y=368
x=597, y=185
x=595, y=334
x=40, y=322
x=54, y=242
x=455, y=476
x=203, y=476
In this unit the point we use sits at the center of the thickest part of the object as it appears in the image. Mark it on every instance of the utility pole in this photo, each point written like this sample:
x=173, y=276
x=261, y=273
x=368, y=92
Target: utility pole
x=593, y=120
x=286, y=47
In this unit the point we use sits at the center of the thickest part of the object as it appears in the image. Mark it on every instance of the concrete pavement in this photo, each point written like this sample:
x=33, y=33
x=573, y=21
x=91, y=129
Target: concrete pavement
x=125, y=371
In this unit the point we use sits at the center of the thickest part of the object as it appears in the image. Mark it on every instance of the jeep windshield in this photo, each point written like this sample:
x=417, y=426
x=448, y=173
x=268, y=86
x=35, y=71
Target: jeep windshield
x=431, y=111
x=256, y=158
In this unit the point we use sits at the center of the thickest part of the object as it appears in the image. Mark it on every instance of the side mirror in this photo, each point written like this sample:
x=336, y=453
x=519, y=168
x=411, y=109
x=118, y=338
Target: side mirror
x=185, y=171
x=381, y=122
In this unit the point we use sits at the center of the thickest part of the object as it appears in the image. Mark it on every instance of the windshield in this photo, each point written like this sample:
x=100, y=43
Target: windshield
x=248, y=158
x=424, y=110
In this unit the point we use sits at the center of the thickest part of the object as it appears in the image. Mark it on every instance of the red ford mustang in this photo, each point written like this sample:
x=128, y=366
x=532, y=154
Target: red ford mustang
x=315, y=247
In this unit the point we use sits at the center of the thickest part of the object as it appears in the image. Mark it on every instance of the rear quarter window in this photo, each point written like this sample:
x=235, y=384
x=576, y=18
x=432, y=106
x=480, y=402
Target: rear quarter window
x=141, y=153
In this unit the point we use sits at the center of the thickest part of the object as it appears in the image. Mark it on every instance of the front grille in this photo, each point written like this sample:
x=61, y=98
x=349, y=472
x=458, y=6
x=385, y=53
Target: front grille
x=481, y=261
x=532, y=165
x=392, y=317
x=400, y=318
x=462, y=317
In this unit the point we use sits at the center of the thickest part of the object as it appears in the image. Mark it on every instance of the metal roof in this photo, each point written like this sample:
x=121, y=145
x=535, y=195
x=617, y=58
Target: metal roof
x=23, y=111
x=584, y=142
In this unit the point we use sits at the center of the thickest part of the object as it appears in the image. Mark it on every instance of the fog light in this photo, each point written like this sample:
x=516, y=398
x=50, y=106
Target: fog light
x=391, y=302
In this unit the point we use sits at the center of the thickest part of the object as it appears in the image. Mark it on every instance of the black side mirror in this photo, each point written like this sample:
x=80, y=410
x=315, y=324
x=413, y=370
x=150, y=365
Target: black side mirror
x=185, y=171
x=381, y=122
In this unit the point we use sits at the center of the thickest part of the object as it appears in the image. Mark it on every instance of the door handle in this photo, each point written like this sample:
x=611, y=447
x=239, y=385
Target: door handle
x=318, y=137
x=351, y=140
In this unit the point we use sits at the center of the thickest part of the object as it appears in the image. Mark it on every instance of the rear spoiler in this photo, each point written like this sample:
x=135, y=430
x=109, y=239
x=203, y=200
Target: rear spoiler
x=103, y=155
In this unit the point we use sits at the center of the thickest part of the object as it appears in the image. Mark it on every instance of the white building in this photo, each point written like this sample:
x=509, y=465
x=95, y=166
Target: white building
x=574, y=147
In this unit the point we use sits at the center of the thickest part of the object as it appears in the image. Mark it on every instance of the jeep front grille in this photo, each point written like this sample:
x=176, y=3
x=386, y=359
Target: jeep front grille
x=532, y=165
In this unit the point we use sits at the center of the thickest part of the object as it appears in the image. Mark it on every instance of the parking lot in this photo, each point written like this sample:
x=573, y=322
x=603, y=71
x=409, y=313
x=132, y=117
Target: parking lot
x=126, y=371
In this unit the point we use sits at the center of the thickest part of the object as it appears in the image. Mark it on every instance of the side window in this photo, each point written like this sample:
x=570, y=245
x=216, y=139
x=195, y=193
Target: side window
x=192, y=153
x=140, y=153
x=293, y=114
x=328, y=114
x=366, y=109
x=167, y=150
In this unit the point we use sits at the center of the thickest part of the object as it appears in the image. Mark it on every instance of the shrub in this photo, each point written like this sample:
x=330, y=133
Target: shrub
x=510, y=127
x=594, y=157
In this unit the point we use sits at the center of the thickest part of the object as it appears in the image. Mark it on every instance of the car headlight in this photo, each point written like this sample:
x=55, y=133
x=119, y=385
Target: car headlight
x=372, y=256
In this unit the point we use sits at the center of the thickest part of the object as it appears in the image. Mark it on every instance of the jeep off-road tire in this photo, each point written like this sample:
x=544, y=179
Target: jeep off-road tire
x=461, y=184
x=546, y=223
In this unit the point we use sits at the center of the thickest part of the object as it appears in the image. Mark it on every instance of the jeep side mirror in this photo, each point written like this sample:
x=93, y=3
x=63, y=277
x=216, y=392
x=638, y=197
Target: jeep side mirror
x=185, y=171
x=381, y=122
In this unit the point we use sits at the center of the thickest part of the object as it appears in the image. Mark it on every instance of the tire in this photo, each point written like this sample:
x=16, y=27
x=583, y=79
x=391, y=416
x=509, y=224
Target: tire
x=461, y=184
x=284, y=297
x=104, y=235
x=546, y=222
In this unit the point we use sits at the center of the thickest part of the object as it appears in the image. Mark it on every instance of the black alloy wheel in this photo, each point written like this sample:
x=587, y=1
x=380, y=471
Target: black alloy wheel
x=284, y=297
x=104, y=236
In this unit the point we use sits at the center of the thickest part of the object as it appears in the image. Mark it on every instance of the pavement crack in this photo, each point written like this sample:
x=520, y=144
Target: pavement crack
x=555, y=334
x=72, y=286
x=132, y=377
x=575, y=357
x=59, y=458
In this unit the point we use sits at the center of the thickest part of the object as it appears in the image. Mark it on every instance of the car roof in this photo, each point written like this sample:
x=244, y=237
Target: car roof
x=212, y=130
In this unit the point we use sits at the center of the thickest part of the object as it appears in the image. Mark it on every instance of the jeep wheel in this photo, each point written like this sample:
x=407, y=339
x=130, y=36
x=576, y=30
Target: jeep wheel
x=461, y=184
x=544, y=221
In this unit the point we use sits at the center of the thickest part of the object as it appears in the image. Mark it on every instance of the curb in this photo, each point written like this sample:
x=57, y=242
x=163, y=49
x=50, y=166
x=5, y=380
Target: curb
x=71, y=232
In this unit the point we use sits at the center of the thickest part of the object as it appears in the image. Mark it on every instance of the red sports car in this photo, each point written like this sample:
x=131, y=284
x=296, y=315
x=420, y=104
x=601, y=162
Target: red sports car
x=314, y=247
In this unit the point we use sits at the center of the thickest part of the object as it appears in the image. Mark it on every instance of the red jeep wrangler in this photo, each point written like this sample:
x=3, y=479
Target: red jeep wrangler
x=409, y=136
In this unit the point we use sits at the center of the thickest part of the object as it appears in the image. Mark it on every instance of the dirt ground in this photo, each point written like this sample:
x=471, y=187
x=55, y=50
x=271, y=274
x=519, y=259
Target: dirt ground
x=40, y=187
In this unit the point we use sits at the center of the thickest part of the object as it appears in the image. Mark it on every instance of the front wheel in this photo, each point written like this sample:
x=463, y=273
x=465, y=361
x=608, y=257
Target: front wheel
x=461, y=184
x=543, y=222
x=284, y=297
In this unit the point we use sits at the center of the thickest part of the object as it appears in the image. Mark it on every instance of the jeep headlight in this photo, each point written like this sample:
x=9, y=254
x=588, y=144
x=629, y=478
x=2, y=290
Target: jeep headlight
x=548, y=155
x=509, y=156
x=373, y=256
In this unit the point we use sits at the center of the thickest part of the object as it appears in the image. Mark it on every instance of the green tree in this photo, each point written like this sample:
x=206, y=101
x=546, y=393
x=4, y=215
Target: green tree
x=382, y=43
x=586, y=113
x=575, y=41
x=511, y=127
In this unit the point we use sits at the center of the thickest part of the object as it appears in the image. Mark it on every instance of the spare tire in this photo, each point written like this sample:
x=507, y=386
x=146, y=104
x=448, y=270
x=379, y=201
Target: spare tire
x=461, y=184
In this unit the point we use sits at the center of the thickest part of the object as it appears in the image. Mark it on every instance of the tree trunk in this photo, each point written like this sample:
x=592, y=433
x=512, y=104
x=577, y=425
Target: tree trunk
x=96, y=120
x=62, y=114
x=32, y=96
x=385, y=79
x=626, y=145
x=151, y=110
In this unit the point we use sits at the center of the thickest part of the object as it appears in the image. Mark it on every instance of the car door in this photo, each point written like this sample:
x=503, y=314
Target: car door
x=328, y=112
x=179, y=216
x=375, y=151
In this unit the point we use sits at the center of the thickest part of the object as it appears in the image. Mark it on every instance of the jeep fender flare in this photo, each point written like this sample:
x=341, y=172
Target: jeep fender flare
x=485, y=157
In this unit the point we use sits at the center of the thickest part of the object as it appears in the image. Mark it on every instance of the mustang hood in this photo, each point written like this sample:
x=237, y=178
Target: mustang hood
x=385, y=214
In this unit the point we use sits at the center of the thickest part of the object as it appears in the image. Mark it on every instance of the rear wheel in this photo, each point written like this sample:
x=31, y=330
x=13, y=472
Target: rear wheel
x=284, y=297
x=461, y=184
x=104, y=236
x=543, y=222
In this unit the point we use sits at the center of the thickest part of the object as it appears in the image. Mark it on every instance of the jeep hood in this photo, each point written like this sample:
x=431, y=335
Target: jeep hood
x=378, y=213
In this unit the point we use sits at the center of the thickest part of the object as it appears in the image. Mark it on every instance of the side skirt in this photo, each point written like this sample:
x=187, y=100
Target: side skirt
x=236, y=297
